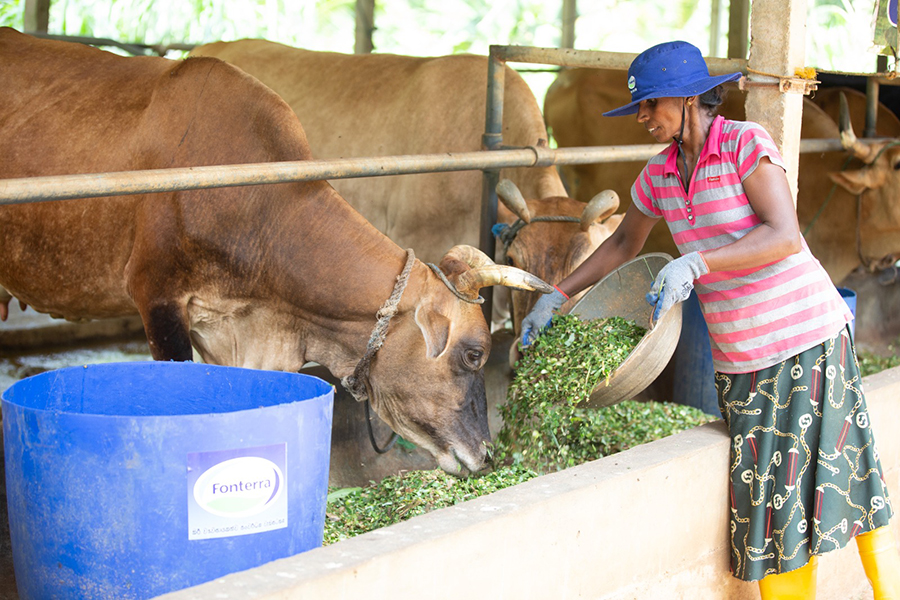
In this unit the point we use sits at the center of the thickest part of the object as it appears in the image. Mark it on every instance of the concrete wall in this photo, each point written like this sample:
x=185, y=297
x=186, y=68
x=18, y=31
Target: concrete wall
x=650, y=523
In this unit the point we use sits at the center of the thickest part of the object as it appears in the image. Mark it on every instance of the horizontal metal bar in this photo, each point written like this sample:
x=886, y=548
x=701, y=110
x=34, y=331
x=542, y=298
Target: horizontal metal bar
x=567, y=57
x=93, y=185
x=135, y=48
x=64, y=187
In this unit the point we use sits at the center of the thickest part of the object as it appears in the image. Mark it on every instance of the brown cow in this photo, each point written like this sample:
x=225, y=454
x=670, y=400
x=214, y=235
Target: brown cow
x=827, y=212
x=267, y=277
x=383, y=104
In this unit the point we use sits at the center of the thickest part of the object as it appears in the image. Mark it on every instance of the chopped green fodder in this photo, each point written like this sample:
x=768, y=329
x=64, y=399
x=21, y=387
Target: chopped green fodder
x=542, y=428
x=543, y=431
x=352, y=511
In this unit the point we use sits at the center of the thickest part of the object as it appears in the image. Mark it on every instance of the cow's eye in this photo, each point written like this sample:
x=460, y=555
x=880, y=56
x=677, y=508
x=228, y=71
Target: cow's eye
x=473, y=358
x=897, y=165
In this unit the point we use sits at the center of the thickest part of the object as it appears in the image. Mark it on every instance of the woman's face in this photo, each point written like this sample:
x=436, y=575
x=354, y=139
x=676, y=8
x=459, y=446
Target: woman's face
x=661, y=117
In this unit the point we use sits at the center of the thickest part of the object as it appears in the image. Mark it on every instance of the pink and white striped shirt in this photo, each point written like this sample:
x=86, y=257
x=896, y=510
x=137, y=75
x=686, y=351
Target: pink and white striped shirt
x=756, y=317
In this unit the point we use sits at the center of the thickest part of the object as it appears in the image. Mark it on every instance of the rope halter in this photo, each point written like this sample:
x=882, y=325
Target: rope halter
x=356, y=383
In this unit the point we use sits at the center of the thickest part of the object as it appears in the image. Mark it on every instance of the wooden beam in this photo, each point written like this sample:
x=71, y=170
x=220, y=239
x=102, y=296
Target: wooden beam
x=37, y=15
x=365, y=25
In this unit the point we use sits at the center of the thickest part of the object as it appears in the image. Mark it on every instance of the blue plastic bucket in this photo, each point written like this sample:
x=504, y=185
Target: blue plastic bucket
x=131, y=480
x=694, y=378
x=849, y=297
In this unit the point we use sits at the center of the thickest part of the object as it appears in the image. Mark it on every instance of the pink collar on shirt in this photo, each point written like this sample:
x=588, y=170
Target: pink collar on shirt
x=709, y=148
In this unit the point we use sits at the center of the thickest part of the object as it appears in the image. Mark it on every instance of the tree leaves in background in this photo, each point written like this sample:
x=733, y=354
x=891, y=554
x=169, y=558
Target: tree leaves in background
x=12, y=13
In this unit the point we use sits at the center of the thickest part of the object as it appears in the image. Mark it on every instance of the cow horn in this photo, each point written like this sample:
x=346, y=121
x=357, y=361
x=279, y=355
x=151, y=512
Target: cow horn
x=601, y=206
x=473, y=280
x=510, y=195
x=469, y=255
x=848, y=138
x=484, y=272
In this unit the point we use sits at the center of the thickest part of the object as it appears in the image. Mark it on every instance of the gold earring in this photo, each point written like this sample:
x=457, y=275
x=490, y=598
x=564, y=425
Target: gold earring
x=690, y=102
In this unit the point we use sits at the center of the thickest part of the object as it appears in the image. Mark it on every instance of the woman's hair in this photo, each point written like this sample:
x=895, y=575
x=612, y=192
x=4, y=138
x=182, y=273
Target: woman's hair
x=710, y=100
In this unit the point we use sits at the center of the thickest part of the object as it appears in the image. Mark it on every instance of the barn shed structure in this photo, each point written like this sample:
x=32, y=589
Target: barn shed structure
x=648, y=523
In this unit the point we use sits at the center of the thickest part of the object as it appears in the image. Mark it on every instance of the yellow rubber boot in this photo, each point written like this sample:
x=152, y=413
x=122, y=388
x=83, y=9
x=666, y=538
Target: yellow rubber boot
x=881, y=560
x=799, y=584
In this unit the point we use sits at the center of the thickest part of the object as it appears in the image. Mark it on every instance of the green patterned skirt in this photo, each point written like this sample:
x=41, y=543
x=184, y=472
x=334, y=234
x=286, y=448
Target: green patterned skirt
x=805, y=473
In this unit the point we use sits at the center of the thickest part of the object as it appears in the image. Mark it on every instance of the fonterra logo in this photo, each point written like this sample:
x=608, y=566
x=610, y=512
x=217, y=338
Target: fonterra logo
x=632, y=84
x=239, y=487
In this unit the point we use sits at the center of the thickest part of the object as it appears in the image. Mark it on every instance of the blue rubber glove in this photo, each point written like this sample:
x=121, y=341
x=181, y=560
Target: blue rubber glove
x=674, y=282
x=540, y=315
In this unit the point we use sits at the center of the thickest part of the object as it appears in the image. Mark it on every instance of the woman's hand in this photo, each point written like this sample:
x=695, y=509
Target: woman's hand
x=540, y=315
x=674, y=282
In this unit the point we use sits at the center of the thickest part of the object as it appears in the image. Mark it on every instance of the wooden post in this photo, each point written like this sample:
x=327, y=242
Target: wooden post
x=37, y=15
x=738, y=28
x=777, y=47
x=365, y=25
x=569, y=16
x=715, y=27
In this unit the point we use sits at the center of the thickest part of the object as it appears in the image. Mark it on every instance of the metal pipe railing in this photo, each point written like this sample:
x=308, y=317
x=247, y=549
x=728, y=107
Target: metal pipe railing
x=93, y=185
x=135, y=48
x=567, y=57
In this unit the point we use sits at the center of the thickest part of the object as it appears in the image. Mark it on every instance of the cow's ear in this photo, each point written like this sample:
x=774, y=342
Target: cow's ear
x=435, y=328
x=855, y=182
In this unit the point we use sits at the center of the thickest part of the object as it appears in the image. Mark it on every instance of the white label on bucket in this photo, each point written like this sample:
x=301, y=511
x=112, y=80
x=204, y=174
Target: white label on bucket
x=236, y=492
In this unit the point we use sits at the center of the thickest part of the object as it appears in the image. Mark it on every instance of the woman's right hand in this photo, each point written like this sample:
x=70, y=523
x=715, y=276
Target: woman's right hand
x=540, y=315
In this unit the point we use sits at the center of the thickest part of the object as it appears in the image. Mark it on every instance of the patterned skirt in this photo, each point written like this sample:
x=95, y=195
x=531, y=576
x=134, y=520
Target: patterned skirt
x=805, y=473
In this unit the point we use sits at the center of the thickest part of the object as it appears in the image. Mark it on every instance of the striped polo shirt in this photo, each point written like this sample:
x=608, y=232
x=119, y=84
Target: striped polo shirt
x=756, y=317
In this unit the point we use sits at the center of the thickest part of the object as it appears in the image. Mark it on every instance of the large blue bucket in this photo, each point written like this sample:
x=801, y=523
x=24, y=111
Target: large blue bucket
x=694, y=378
x=131, y=480
x=849, y=297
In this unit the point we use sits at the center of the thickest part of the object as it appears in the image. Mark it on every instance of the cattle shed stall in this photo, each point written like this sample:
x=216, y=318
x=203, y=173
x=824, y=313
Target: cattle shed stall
x=581, y=532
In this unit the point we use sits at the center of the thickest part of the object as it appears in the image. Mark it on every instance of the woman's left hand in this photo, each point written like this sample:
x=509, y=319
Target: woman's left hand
x=674, y=282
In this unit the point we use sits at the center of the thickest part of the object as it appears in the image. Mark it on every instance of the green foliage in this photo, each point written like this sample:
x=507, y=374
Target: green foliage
x=840, y=35
x=12, y=13
x=870, y=363
x=352, y=511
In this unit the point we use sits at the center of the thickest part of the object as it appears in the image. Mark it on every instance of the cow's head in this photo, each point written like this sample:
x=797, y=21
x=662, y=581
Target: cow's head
x=427, y=381
x=549, y=237
x=875, y=185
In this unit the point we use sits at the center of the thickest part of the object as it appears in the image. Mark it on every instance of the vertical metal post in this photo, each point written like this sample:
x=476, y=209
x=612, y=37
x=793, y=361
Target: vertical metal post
x=872, y=88
x=365, y=25
x=491, y=140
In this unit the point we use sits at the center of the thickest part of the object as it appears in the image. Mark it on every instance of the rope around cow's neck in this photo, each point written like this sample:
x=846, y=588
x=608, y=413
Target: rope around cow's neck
x=356, y=383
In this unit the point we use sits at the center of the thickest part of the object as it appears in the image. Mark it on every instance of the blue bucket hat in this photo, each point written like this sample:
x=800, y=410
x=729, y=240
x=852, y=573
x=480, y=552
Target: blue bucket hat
x=668, y=70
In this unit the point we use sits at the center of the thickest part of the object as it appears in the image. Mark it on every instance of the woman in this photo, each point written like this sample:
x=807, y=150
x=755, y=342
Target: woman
x=805, y=474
